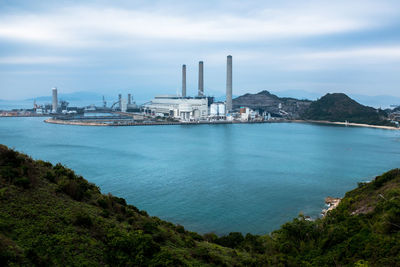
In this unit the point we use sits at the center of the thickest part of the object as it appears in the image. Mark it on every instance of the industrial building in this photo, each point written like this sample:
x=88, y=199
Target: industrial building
x=183, y=108
x=199, y=107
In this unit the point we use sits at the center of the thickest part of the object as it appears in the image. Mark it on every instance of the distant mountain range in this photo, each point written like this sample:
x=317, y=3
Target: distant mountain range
x=76, y=96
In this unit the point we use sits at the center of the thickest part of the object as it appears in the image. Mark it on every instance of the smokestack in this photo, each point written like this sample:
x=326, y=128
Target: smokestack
x=129, y=99
x=201, y=79
x=183, y=80
x=229, y=84
x=55, y=100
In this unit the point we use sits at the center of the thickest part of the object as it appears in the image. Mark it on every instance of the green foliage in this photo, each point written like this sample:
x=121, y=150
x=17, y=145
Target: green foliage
x=49, y=176
x=232, y=240
x=130, y=249
x=340, y=107
x=22, y=182
x=83, y=219
x=390, y=175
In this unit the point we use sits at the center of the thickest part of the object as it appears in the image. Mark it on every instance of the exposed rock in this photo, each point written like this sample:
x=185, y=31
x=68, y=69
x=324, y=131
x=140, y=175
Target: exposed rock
x=332, y=203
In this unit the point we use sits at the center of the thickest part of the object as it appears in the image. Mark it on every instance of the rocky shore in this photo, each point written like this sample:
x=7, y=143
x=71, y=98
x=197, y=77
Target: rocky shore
x=332, y=203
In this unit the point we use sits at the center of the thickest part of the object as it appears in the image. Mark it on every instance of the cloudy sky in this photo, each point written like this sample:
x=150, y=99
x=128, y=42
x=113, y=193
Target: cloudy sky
x=350, y=46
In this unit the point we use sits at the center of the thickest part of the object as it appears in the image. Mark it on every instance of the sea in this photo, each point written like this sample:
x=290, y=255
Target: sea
x=248, y=178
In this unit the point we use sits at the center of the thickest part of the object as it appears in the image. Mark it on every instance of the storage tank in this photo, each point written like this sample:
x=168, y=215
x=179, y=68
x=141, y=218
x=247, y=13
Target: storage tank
x=221, y=109
x=214, y=109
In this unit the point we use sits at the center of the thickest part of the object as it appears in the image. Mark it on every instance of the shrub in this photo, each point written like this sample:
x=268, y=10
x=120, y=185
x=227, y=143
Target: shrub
x=180, y=229
x=232, y=240
x=380, y=180
x=210, y=237
x=83, y=219
x=8, y=173
x=196, y=236
x=49, y=176
x=77, y=188
x=22, y=182
x=130, y=249
x=102, y=203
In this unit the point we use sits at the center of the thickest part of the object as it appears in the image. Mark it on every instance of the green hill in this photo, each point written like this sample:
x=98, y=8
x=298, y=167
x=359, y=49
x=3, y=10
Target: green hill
x=340, y=107
x=50, y=216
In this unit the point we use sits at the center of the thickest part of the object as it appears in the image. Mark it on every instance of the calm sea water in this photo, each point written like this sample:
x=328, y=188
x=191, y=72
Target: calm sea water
x=215, y=178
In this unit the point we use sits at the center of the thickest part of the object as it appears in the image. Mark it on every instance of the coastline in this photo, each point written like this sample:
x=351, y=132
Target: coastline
x=348, y=124
x=80, y=123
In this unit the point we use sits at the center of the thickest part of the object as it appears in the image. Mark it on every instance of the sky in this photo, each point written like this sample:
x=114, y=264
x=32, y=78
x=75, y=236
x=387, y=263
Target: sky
x=107, y=47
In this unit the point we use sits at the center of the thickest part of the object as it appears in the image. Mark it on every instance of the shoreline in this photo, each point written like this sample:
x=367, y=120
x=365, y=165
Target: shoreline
x=348, y=124
x=80, y=123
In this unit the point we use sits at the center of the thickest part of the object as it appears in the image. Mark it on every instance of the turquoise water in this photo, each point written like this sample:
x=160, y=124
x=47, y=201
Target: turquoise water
x=215, y=178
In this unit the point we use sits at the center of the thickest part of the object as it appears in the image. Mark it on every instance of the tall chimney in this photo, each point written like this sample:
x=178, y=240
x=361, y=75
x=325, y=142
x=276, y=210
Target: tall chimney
x=55, y=100
x=129, y=99
x=201, y=79
x=229, y=84
x=183, y=80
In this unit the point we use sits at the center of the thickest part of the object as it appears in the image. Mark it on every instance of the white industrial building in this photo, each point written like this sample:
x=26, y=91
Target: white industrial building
x=182, y=108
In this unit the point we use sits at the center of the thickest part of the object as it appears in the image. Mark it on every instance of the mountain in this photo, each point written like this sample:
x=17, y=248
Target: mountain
x=265, y=101
x=340, y=107
x=51, y=216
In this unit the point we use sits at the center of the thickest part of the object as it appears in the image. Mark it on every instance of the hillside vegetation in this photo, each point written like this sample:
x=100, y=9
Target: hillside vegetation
x=50, y=216
x=340, y=107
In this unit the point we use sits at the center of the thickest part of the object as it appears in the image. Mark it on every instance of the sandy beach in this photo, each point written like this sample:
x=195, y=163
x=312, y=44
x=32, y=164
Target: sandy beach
x=348, y=124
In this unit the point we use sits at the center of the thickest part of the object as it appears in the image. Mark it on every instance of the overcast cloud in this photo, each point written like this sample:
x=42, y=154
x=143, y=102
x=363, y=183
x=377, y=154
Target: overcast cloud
x=139, y=46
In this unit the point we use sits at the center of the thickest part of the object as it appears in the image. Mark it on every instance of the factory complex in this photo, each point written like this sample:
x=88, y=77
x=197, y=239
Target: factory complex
x=200, y=107
x=162, y=109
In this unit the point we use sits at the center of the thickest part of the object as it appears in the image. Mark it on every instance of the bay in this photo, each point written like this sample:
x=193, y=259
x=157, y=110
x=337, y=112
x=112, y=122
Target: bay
x=215, y=178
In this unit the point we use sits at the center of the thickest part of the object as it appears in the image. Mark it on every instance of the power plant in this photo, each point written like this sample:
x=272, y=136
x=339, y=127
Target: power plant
x=173, y=108
x=200, y=107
